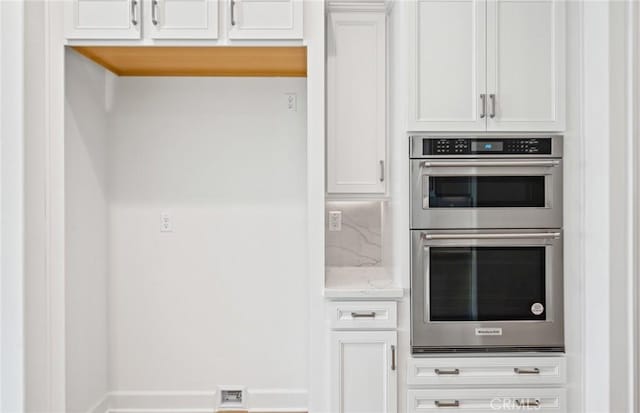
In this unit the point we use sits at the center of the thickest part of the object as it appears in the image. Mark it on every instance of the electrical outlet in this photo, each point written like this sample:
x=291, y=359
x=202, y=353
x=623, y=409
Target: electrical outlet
x=335, y=220
x=292, y=101
x=231, y=398
x=165, y=222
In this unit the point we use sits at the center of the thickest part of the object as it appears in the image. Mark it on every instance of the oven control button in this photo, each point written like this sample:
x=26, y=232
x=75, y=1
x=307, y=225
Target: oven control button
x=537, y=308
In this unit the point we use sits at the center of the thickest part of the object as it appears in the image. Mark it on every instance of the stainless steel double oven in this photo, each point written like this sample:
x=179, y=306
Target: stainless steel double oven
x=486, y=241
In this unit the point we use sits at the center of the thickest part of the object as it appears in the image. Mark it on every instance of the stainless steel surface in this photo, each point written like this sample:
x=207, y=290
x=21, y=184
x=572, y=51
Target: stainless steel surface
x=492, y=97
x=543, y=335
x=527, y=403
x=474, y=235
x=134, y=12
x=534, y=370
x=447, y=403
x=381, y=171
x=371, y=314
x=452, y=372
x=232, y=6
x=393, y=358
x=423, y=216
x=483, y=98
x=486, y=164
x=154, y=12
x=416, y=145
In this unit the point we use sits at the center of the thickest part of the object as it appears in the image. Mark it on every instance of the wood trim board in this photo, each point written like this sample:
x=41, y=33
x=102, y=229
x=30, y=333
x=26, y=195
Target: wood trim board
x=199, y=61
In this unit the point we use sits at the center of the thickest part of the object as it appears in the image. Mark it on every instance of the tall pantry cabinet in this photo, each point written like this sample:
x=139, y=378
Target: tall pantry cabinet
x=487, y=65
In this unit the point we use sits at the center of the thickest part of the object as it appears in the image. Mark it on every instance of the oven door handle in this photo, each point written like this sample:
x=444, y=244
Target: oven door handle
x=516, y=235
x=463, y=164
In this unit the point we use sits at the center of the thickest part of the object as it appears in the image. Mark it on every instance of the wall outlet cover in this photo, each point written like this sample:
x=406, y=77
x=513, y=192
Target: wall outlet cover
x=335, y=220
x=231, y=398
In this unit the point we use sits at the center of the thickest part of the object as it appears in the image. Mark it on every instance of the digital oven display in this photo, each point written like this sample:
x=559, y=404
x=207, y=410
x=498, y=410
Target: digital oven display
x=484, y=146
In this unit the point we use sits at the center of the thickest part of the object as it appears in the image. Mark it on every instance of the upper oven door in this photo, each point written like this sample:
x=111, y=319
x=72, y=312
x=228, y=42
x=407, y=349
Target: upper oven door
x=486, y=193
x=498, y=288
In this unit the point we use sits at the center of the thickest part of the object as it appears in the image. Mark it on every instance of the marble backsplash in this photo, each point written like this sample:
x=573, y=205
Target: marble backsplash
x=359, y=243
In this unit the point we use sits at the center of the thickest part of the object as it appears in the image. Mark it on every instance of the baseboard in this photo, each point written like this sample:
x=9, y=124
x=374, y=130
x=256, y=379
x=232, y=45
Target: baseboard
x=101, y=406
x=258, y=401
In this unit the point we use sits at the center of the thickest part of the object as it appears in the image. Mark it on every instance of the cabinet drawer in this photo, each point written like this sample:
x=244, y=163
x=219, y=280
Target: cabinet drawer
x=487, y=371
x=487, y=400
x=363, y=315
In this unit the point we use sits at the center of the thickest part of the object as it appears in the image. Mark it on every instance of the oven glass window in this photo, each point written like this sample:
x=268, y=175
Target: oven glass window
x=486, y=191
x=487, y=283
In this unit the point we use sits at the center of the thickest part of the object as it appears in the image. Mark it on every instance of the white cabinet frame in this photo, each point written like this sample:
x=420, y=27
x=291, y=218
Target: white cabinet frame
x=113, y=19
x=356, y=102
x=182, y=19
x=352, y=393
x=265, y=19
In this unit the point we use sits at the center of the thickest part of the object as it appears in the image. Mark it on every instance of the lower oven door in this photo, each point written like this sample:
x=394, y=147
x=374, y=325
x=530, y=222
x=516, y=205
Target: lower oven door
x=486, y=290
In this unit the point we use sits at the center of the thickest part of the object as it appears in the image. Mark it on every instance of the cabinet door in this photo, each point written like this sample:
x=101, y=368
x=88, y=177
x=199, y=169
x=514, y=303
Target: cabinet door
x=447, y=65
x=102, y=19
x=364, y=376
x=526, y=65
x=265, y=19
x=356, y=102
x=182, y=19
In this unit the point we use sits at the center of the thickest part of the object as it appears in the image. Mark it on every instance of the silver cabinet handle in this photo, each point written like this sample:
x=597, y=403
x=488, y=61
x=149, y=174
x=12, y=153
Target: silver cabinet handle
x=393, y=358
x=483, y=98
x=154, y=12
x=447, y=403
x=232, y=6
x=476, y=164
x=381, y=171
x=527, y=403
x=515, y=235
x=493, y=106
x=534, y=370
x=452, y=372
x=134, y=12
x=371, y=314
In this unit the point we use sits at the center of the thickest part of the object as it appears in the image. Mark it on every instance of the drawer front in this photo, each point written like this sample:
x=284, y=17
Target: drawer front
x=487, y=400
x=363, y=315
x=486, y=371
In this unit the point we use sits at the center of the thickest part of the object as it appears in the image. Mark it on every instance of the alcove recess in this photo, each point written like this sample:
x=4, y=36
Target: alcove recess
x=200, y=61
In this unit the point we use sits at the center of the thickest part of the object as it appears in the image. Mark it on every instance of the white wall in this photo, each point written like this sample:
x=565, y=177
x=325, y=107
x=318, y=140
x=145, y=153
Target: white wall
x=86, y=233
x=11, y=206
x=222, y=298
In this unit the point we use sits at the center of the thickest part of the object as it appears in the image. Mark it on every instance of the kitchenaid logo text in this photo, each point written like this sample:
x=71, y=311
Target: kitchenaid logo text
x=488, y=331
x=500, y=403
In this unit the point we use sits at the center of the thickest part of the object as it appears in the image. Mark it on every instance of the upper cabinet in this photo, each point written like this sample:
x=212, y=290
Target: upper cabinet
x=487, y=65
x=356, y=101
x=526, y=65
x=184, y=19
x=265, y=19
x=103, y=19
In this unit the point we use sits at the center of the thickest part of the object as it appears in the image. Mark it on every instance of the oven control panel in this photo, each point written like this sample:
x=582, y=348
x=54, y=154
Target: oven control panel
x=483, y=146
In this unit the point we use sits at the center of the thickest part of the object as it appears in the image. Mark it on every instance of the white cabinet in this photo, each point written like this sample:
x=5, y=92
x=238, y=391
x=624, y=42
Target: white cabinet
x=487, y=65
x=356, y=101
x=487, y=400
x=364, y=376
x=265, y=19
x=182, y=19
x=371, y=315
x=102, y=19
x=526, y=65
x=447, y=65
x=486, y=371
